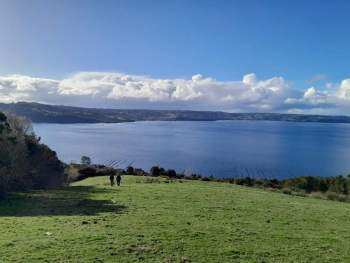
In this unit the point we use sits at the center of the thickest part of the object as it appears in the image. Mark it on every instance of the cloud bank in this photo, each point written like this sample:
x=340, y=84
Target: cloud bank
x=118, y=90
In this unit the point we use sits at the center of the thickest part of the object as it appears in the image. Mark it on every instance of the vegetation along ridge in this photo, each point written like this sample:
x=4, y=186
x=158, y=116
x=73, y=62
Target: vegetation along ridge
x=66, y=114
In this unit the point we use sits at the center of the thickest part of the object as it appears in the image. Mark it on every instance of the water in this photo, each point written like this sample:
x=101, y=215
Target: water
x=221, y=149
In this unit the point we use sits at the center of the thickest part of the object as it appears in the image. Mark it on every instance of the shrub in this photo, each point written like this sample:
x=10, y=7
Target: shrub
x=171, y=173
x=77, y=172
x=88, y=171
x=140, y=172
x=155, y=171
x=104, y=170
x=324, y=185
x=130, y=170
x=25, y=163
x=287, y=191
x=206, y=179
x=336, y=197
x=247, y=181
x=46, y=168
x=319, y=195
x=194, y=177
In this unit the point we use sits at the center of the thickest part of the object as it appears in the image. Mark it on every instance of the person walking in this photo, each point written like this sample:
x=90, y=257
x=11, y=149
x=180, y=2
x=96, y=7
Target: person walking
x=119, y=179
x=111, y=179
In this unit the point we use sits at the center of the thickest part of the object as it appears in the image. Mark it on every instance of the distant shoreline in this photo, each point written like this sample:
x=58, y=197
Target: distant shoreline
x=131, y=121
x=43, y=113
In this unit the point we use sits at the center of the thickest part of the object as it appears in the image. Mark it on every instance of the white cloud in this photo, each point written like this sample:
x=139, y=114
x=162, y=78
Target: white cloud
x=312, y=97
x=24, y=88
x=344, y=90
x=110, y=89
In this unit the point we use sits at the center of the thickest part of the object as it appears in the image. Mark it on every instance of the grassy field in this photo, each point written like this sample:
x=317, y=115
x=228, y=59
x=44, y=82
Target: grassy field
x=157, y=221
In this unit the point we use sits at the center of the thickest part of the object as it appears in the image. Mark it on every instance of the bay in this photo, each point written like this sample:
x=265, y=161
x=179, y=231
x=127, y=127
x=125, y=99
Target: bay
x=220, y=148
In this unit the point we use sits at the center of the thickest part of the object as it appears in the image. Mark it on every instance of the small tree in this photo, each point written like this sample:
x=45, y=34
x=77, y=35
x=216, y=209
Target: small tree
x=86, y=160
x=130, y=170
x=155, y=171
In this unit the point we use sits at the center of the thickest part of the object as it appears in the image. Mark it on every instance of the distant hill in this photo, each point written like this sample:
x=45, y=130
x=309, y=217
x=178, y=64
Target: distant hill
x=65, y=114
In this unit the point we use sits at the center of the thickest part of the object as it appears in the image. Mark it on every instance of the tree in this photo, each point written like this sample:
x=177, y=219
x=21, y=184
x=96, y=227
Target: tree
x=86, y=160
x=24, y=162
x=130, y=170
x=20, y=125
x=155, y=171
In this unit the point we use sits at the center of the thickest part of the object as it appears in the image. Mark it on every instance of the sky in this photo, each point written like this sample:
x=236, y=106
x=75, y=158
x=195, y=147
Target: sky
x=243, y=56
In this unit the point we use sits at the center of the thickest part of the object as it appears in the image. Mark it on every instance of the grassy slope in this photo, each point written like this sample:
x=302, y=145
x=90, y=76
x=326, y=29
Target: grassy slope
x=170, y=222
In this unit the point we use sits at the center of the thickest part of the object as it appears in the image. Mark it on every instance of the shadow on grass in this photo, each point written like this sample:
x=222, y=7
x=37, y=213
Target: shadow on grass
x=69, y=201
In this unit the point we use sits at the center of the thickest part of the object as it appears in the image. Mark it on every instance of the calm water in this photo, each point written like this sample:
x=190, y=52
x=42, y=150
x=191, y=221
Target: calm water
x=222, y=148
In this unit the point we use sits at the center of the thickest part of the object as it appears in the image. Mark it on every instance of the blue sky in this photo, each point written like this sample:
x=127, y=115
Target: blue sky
x=305, y=42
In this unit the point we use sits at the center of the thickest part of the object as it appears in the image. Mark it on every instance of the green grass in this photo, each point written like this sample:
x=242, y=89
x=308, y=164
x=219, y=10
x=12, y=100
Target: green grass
x=191, y=221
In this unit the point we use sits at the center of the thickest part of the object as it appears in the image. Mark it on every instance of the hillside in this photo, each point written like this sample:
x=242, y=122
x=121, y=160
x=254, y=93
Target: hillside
x=64, y=114
x=26, y=163
x=152, y=220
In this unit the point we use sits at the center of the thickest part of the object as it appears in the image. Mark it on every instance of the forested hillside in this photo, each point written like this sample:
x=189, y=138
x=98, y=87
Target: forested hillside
x=25, y=163
x=65, y=114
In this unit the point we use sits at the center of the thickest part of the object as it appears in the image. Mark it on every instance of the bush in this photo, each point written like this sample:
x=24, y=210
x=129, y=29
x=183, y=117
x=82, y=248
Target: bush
x=46, y=168
x=318, y=195
x=155, y=171
x=130, y=170
x=140, y=172
x=194, y=177
x=247, y=181
x=171, y=173
x=88, y=171
x=287, y=191
x=25, y=163
x=336, y=197
x=324, y=185
x=78, y=172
